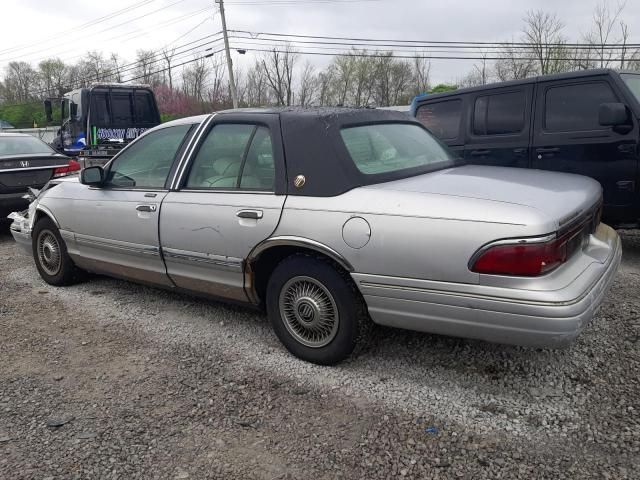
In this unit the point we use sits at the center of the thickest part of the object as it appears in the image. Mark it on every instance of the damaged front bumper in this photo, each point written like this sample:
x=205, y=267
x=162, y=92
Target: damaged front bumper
x=21, y=226
x=21, y=230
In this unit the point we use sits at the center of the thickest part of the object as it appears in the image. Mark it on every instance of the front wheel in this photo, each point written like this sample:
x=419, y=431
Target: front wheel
x=50, y=254
x=316, y=310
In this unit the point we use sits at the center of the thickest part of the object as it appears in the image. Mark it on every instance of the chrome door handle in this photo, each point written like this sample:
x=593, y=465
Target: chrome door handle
x=146, y=208
x=255, y=214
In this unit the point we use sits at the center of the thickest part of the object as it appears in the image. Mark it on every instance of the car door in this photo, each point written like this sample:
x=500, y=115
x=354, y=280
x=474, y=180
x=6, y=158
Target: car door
x=114, y=228
x=569, y=138
x=499, y=126
x=228, y=200
x=444, y=118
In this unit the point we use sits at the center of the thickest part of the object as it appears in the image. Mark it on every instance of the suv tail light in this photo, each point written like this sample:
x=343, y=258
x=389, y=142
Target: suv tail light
x=71, y=167
x=527, y=257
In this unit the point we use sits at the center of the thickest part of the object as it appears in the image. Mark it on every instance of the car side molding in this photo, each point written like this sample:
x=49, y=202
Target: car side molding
x=295, y=241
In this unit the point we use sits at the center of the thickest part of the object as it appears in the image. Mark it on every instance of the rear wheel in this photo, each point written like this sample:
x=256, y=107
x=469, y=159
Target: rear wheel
x=50, y=254
x=316, y=310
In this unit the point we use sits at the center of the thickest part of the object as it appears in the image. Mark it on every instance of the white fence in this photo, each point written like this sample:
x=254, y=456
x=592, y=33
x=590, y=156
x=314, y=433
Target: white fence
x=46, y=134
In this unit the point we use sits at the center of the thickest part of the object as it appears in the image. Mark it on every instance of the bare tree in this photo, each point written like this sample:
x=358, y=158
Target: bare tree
x=325, y=94
x=421, y=74
x=53, y=73
x=20, y=82
x=602, y=33
x=307, y=90
x=278, y=68
x=543, y=32
x=146, y=70
x=343, y=70
x=513, y=64
x=363, y=81
x=95, y=66
x=194, y=77
x=115, y=67
x=256, y=86
x=167, y=55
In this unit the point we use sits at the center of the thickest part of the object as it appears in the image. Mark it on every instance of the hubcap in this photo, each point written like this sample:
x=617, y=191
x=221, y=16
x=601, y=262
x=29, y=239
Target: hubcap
x=309, y=311
x=49, y=256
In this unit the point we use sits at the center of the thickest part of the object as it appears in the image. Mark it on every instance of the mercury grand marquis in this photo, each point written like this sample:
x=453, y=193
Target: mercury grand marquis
x=331, y=220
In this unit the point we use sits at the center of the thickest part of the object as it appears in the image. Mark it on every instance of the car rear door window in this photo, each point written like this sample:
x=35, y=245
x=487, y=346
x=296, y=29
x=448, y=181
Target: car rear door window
x=499, y=114
x=575, y=107
x=146, y=162
x=441, y=118
x=234, y=156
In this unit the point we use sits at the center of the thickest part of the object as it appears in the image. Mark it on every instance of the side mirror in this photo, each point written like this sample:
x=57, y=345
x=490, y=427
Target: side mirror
x=48, y=112
x=92, y=176
x=613, y=114
x=73, y=109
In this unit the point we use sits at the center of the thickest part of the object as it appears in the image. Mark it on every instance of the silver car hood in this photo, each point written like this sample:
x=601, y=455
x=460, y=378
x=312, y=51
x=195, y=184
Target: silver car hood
x=558, y=195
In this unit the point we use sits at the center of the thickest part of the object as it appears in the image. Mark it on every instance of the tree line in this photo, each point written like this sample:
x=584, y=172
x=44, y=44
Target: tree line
x=357, y=78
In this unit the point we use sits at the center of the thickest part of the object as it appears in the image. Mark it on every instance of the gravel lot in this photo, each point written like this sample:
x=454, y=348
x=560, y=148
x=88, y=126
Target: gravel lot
x=108, y=379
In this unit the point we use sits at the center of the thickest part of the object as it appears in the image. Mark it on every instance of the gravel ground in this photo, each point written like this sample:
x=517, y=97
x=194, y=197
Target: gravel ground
x=108, y=379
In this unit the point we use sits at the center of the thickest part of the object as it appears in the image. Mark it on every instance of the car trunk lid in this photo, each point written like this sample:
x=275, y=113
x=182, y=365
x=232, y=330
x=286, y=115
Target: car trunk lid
x=18, y=172
x=563, y=197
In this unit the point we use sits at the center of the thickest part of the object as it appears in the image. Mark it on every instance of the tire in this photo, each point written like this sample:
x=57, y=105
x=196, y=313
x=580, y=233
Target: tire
x=50, y=254
x=316, y=310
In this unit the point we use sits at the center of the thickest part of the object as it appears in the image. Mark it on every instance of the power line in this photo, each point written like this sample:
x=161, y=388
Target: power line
x=255, y=35
x=483, y=47
x=100, y=31
x=426, y=57
x=123, y=36
x=89, y=23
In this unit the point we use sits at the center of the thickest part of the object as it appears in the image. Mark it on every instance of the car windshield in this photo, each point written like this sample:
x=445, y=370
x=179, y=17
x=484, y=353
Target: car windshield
x=393, y=147
x=633, y=82
x=18, y=145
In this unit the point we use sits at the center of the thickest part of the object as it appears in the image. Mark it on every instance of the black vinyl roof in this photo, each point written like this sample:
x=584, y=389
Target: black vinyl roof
x=313, y=146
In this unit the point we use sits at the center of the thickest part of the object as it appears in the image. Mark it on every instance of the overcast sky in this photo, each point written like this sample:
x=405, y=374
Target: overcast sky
x=37, y=29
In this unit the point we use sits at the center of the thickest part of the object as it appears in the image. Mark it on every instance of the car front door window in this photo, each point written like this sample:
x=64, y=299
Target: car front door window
x=234, y=156
x=147, y=162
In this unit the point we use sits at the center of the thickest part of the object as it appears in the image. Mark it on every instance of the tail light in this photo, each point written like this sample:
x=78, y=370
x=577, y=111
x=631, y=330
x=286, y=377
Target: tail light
x=527, y=257
x=71, y=167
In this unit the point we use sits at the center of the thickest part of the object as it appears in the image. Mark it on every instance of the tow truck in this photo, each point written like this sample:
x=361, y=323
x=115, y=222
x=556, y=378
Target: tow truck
x=99, y=121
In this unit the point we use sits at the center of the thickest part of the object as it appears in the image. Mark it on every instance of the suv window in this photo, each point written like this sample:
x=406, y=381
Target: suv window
x=147, y=161
x=234, y=156
x=575, y=107
x=499, y=114
x=442, y=118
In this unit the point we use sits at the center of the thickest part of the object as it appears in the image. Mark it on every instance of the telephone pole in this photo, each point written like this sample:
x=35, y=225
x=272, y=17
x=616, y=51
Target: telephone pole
x=232, y=82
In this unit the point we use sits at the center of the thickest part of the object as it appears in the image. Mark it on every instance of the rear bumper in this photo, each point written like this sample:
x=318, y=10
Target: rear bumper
x=536, y=317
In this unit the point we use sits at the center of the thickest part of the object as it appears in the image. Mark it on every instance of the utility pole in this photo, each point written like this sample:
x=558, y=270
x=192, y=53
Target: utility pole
x=232, y=82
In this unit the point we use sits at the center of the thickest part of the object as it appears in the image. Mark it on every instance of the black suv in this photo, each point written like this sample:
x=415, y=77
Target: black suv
x=582, y=122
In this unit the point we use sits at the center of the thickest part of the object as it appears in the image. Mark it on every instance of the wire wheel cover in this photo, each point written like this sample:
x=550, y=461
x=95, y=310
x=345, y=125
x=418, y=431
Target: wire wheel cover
x=309, y=311
x=49, y=256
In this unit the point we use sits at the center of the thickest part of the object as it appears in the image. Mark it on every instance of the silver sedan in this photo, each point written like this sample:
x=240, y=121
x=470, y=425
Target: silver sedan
x=332, y=220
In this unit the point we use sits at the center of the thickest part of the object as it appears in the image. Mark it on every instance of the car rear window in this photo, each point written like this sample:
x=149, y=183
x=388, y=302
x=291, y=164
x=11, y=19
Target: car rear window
x=441, y=118
x=23, y=145
x=392, y=147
